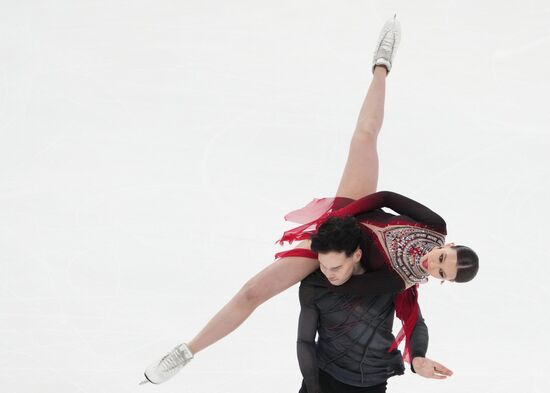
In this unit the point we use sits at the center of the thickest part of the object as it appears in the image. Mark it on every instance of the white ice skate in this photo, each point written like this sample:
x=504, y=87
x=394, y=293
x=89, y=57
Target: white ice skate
x=387, y=44
x=169, y=365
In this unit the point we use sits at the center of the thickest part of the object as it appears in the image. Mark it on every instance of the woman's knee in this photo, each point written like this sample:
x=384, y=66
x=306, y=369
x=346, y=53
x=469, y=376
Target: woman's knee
x=253, y=293
x=366, y=133
x=277, y=277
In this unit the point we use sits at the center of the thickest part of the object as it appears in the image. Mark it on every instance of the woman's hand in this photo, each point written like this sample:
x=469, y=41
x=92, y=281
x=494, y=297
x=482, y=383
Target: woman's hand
x=430, y=369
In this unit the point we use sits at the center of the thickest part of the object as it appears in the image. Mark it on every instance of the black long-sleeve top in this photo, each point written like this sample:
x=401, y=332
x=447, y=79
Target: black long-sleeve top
x=355, y=333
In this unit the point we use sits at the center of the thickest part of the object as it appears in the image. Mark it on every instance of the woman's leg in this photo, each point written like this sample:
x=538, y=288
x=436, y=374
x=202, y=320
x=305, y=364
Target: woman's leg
x=360, y=175
x=274, y=279
x=360, y=178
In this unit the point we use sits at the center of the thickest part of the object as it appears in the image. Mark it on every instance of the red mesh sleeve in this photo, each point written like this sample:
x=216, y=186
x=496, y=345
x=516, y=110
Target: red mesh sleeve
x=297, y=252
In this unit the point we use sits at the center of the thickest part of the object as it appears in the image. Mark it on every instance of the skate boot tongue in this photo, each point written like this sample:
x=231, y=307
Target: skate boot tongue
x=169, y=365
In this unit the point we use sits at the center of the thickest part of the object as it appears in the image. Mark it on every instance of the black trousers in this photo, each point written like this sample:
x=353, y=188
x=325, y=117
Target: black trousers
x=330, y=385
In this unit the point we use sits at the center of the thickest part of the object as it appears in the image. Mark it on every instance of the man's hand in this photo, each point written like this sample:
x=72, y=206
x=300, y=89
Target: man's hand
x=430, y=369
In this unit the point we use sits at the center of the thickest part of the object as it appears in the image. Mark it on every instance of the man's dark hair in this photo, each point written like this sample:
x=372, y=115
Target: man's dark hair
x=339, y=234
x=467, y=264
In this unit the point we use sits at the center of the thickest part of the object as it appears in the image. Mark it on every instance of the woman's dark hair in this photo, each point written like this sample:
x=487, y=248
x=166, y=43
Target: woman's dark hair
x=337, y=234
x=467, y=264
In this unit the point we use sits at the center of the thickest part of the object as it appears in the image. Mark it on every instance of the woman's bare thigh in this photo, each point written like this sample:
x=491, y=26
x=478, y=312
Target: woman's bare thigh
x=282, y=274
x=360, y=176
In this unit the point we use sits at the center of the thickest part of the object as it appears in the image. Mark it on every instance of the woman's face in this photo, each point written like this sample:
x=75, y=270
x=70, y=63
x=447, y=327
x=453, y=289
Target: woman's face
x=441, y=262
x=338, y=268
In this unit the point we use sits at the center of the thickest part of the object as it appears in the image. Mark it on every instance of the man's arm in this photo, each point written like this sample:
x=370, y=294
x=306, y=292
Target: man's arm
x=419, y=339
x=370, y=283
x=420, y=364
x=307, y=330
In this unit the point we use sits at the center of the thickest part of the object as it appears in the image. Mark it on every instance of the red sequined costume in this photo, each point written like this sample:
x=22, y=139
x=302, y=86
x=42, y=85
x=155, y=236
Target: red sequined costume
x=392, y=246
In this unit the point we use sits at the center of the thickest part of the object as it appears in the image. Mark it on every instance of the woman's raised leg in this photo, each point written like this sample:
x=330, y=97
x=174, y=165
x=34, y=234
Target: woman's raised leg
x=360, y=175
x=359, y=178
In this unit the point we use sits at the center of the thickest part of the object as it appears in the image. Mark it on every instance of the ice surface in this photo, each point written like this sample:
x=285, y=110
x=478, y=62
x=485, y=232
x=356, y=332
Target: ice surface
x=149, y=151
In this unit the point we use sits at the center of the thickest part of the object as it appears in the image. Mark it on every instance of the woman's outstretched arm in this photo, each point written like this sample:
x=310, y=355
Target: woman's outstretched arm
x=274, y=279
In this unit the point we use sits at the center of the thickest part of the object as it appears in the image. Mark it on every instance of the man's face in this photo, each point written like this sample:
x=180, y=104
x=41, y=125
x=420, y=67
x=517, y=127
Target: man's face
x=337, y=267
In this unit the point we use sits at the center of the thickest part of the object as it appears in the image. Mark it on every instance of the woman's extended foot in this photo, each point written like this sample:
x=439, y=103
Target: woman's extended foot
x=169, y=365
x=388, y=42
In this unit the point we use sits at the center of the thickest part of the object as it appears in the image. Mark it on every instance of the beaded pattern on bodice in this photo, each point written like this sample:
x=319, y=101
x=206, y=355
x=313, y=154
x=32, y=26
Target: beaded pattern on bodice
x=404, y=246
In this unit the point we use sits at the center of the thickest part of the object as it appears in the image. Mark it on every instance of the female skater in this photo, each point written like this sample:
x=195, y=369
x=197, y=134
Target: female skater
x=359, y=179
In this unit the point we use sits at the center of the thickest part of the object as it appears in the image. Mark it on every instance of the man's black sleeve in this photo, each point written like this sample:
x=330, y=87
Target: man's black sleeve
x=307, y=330
x=370, y=283
x=419, y=339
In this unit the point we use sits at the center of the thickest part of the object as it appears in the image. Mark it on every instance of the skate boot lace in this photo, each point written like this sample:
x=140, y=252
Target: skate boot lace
x=171, y=361
x=387, y=44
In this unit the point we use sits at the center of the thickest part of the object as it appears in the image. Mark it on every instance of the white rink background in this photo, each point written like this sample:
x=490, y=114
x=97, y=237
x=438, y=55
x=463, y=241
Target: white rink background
x=149, y=151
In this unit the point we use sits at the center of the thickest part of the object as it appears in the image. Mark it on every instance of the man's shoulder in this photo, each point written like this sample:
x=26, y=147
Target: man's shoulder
x=315, y=279
x=312, y=288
